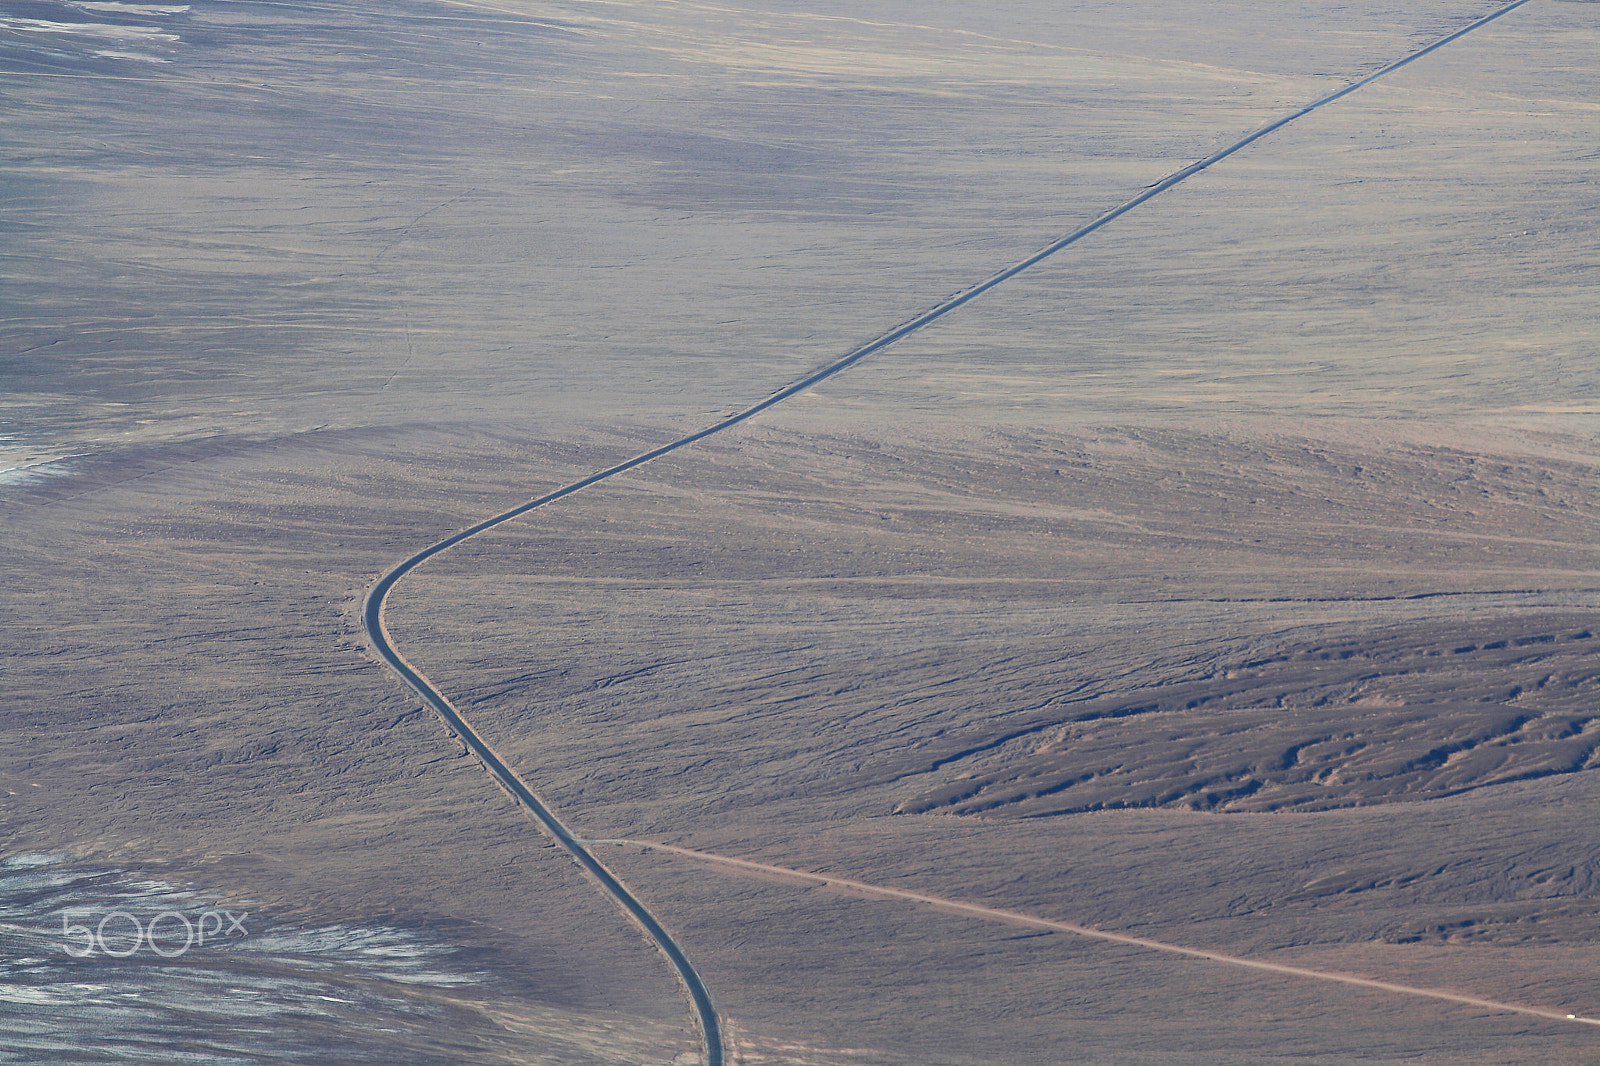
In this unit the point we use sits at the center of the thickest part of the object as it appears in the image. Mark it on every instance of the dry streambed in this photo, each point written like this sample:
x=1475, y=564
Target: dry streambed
x=109, y=964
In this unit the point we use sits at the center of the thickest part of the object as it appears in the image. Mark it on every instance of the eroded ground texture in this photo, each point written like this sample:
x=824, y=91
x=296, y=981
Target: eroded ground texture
x=1227, y=580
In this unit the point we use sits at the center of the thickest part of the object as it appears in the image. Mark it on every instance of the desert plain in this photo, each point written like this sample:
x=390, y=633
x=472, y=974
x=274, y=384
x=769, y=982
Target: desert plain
x=1226, y=580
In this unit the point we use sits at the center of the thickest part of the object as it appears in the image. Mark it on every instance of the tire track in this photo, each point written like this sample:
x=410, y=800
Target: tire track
x=995, y=914
x=377, y=596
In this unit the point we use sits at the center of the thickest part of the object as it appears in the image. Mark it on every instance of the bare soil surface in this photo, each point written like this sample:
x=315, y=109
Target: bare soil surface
x=1228, y=581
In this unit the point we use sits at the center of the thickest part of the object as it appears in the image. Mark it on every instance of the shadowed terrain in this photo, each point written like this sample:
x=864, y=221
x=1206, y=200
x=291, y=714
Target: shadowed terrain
x=1310, y=729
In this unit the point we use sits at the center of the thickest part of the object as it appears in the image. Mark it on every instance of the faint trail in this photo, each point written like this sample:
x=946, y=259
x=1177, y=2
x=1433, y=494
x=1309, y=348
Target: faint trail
x=405, y=231
x=378, y=634
x=994, y=914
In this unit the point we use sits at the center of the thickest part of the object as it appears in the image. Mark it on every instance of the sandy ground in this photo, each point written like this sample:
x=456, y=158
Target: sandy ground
x=1228, y=580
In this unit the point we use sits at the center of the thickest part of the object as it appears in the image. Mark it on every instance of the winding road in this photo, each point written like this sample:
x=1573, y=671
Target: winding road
x=699, y=995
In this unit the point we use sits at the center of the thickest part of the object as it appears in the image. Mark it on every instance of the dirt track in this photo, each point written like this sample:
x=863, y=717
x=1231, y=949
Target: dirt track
x=974, y=910
x=694, y=984
x=1334, y=398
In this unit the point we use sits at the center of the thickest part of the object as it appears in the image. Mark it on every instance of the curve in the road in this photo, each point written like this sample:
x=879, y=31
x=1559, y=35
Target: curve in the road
x=699, y=994
x=373, y=609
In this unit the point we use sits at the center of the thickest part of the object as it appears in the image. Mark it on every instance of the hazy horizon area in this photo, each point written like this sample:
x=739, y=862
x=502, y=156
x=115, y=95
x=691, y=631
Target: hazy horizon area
x=1225, y=582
